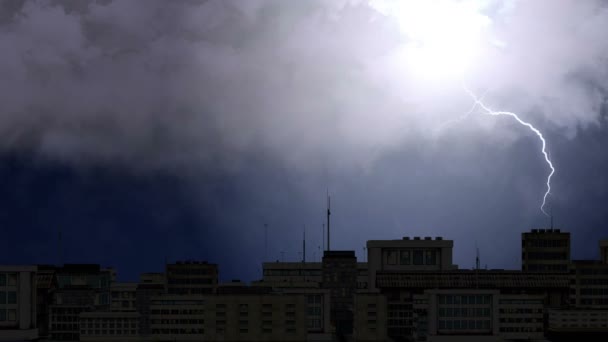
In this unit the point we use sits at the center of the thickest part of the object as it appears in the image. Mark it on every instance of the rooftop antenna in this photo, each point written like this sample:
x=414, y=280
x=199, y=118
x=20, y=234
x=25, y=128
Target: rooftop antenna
x=477, y=257
x=328, y=214
x=59, y=249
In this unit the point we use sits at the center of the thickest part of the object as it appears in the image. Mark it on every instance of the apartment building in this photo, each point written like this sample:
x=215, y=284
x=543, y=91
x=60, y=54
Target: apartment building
x=18, y=303
x=191, y=277
x=107, y=326
x=80, y=288
x=229, y=316
x=123, y=297
x=370, y=317
x=545, y=250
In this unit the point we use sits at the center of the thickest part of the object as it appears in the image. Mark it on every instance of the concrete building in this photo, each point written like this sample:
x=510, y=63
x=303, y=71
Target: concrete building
x=521, y=316
x=370, y=317
x=589, y=284
x=229, y=317
x=108, y=326
x=80, y=288
x=292, y=274
x=150, y=285
x=604, y=251
x=577, y=324
x=477, y=315
x=18, y=303
x=408, y=254
x=46, y=283
x=339, y=269
x=545, y=250
x=123, y=297
x=191, y=277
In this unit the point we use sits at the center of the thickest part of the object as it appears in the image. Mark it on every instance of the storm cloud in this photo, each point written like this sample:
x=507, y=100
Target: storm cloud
x=311, y=92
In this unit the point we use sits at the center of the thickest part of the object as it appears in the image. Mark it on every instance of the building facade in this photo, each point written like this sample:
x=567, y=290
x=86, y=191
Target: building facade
x=18, y=303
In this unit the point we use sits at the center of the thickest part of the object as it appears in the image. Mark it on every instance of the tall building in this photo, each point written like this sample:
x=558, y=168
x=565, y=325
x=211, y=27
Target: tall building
x=408, y=254
x=191, y=277
x=150, y=285
x=80, y=288
x=545, y=250
x=18, y=303
x=340, y=278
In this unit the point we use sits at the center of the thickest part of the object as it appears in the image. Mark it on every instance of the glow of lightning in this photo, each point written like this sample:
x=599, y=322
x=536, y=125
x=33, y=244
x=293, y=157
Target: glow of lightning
x=478, y=102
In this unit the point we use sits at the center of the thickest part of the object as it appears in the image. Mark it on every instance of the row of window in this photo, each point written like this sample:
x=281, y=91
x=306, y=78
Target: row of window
x=177, y=321
x=8, y=297
x=104, y=332
x=519, y=311
x=9, y=315
x=547, y=255
x=464, y=299
x=521, y=329
x=411, y=257
x=594, y=292
x=284, y=273
x=8, y=279
x=521, y=320
x=545, y=243
x=464, y=312
x=109, y=325
x=469, y=324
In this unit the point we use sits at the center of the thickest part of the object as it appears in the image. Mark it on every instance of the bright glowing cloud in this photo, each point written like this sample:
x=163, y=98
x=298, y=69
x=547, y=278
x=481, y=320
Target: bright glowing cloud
x=443, y=37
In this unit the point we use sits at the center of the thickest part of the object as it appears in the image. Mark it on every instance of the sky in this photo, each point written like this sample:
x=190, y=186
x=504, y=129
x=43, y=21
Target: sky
x=155, y=131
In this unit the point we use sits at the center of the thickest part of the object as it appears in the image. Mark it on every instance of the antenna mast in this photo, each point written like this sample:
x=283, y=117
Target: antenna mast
x=328, y=214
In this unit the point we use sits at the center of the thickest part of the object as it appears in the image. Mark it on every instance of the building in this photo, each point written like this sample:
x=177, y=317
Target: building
x=370, y=317
x=46, y=283
x=545, y=250
x=150, y=285
x=339, y=271
x=123, y=297
x=408, y=254
x=109, y=326
x=521, y=316
x=589, y=284
x=191, y=277
x=477, y=315
x=231, y=315
x=577, y=324
x=80, y=288
x=18, y=303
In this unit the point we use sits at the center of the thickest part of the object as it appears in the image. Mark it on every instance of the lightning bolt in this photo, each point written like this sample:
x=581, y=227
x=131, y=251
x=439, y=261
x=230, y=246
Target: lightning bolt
x=478, y=103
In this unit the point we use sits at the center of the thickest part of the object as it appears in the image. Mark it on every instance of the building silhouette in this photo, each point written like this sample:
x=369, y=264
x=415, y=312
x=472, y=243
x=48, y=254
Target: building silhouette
x=407, y=290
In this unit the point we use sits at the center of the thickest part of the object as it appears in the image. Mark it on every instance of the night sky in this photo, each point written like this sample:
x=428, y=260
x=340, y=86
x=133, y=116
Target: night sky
x=153, y=131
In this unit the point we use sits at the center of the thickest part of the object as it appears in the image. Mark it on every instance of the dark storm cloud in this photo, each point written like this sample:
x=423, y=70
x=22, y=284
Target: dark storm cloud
x=267, y=103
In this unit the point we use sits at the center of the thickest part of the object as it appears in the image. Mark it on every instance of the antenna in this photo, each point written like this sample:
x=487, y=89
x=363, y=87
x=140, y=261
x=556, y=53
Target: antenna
x=328, y=214
x=477, y=257
x=59, y=249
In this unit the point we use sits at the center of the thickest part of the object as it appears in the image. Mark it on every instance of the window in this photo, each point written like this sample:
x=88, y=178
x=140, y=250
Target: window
x=2, y=297
x=12, y=280
x=418, y=257
x=11, y=297
x=405, y=258
x=391, y=257
x=2, y=315
x=430, y=258
x=2, y=279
